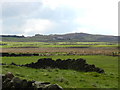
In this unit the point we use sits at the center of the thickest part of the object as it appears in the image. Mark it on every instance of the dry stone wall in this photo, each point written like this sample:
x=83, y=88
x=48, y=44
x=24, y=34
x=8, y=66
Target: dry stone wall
x=78, y=65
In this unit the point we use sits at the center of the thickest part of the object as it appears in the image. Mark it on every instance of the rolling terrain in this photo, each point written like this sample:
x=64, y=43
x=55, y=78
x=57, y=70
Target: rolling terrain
x=70, y=37
x=100, y=50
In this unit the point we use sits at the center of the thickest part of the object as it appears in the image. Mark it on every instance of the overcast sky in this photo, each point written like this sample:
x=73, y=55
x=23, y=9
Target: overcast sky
x=30, y=17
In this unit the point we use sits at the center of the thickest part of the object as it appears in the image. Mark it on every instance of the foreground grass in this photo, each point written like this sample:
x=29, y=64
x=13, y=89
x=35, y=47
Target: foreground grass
x=68, y=78
x=65, y=78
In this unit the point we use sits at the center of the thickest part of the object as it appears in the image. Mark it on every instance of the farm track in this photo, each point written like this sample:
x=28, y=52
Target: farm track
x=93, y=50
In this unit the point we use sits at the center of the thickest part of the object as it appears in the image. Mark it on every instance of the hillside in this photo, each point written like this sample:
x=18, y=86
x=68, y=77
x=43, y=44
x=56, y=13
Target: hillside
x=70, y=37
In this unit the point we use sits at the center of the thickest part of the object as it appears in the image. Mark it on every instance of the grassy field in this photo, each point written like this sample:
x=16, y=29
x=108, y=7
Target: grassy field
x=68, y=78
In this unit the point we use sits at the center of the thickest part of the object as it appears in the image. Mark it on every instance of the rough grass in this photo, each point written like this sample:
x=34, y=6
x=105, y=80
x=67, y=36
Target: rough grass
x=68, y=78
x=51, y=50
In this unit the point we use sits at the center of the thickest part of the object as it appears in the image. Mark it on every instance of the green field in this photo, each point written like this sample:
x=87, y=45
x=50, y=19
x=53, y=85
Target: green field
x=68, y=78
x=57, y=44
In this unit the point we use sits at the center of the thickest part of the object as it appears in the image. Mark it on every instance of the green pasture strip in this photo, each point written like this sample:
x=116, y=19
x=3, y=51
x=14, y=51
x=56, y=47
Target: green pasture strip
x=57, y=44
x=68, y=78
x=99, y=43
x=22, y=44
x=100, y=61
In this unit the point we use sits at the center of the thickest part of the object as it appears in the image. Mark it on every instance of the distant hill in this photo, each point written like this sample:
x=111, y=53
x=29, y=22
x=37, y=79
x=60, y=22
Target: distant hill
x=70, y=37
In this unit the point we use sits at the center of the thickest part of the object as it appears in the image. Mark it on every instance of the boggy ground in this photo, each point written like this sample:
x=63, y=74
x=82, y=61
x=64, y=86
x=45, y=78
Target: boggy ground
x=74, y=51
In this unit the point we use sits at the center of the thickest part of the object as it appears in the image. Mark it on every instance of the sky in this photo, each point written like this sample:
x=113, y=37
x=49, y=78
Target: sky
x=30, y=17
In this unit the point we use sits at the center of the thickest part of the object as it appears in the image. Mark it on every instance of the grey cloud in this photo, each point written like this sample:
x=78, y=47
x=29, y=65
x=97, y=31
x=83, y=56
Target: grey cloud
x=13, y=9
x=13, y=20
x=56, y=15
x=12, y=25
x=13, y=16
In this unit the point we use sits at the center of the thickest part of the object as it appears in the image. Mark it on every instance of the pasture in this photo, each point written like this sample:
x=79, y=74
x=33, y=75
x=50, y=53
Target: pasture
x=68, y=78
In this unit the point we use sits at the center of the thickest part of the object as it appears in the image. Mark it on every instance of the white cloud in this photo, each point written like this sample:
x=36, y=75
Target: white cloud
x=93, y=31
x=101, y=19
x=33, y=26
x=53, y=4
x=0, y=26
x=79, y=3
x=81, y=30
x=99, y=22
x=2, y=1
x=0, y=20
x=99, y=14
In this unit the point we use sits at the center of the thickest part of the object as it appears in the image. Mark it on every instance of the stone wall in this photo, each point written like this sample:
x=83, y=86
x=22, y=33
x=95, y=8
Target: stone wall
x=78, y=65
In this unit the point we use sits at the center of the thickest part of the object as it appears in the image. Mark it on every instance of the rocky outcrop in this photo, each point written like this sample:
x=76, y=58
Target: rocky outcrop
x=9, y=81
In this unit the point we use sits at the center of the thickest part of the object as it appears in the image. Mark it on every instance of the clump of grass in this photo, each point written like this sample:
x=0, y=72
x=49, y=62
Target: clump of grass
x=97, y=82
x=62, y=80
x=95, y=74
x=19, y=75
x=82, y=80
x=56, y=69
x=106, y=84
x=76, y=77
x=46, y=74
x=49, y=69
x=94, y=85
x=49, y=77
x=8, y=66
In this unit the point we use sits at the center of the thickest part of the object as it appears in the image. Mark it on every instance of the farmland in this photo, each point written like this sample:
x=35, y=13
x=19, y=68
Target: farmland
x=98, y=53
x=77, y=48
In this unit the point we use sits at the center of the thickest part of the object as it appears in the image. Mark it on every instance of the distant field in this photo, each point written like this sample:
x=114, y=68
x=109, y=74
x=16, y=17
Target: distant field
x=77, y=48
x=56, y=44
x=68, y=78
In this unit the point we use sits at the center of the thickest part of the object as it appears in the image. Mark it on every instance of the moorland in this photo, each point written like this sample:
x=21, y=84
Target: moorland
x=100, y=50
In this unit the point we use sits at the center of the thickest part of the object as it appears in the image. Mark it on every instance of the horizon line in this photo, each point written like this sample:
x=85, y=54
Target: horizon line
x=55, y=34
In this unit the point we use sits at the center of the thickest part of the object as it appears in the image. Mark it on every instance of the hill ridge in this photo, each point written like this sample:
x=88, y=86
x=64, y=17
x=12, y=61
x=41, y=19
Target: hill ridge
x=68, y=37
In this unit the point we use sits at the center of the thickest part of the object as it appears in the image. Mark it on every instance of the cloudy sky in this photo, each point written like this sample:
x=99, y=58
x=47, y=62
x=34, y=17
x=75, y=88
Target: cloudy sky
x=30, y=17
